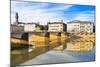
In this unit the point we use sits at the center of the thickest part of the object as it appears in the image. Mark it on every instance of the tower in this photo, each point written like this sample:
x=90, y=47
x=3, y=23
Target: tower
x=16, y=18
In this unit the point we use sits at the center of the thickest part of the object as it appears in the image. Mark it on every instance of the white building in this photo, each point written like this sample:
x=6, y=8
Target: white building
x=31, y=27
x=56, y=27
x=79, y=26
x=26, y=27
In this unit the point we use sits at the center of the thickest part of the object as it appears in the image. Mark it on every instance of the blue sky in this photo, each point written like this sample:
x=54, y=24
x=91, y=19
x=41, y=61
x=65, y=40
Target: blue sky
x=44, y=12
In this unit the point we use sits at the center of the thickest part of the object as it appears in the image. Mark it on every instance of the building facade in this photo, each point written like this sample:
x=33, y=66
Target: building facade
x=31, y=27
x=57, y=27
x=28, y=27
x=22, y=26
x=79, y=26
x=16, y=28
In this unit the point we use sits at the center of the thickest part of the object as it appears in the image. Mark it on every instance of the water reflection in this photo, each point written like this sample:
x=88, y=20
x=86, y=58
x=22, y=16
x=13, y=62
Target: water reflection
x=80, y=46
x=61, y=54
x=69, y=52
x=61, y=47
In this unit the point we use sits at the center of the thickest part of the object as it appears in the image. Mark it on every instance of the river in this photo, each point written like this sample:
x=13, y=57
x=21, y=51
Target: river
x=53, y=53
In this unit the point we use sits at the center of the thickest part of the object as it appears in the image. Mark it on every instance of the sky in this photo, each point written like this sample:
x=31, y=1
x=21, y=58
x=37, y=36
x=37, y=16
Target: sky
x=42, y=13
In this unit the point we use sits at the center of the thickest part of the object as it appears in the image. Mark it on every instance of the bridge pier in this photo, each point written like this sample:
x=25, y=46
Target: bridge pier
x=58, y=37
x=46, y=35
x=46, y=44
x=25, y=36
x=40, y=38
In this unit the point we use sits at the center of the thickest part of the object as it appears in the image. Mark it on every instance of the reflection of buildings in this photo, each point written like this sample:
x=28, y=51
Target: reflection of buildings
x=57, y=27
x=79, y=26
x=80, y=46
x=61, y=47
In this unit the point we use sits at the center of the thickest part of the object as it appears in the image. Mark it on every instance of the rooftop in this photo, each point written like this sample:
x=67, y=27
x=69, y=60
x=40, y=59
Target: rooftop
x=61, y=22
x=78, y=21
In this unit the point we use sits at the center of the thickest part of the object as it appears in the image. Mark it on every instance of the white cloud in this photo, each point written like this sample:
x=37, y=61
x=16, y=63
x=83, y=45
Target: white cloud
x=37, y=12
x=85, y=17
x=42, y=12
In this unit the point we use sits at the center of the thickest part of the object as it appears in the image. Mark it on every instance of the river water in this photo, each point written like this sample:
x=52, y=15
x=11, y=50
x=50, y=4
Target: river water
x=62, y=56
x=56, y=53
